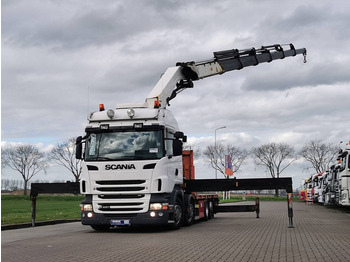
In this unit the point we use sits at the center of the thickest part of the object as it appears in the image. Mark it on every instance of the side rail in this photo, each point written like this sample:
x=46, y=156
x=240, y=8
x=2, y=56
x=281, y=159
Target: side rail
x=240, y=208
x=286, y=183
x=50, y=188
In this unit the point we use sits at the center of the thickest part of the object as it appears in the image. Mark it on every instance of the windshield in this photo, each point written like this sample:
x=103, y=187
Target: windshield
x=124, y=145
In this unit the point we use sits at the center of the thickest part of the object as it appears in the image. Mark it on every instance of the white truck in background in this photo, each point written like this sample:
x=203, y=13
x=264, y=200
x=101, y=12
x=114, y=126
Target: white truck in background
x=331, y=187
x=344, y=175
x=317, y=187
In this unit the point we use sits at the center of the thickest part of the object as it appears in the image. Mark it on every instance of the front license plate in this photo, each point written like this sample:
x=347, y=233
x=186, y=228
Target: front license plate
x=125, y=222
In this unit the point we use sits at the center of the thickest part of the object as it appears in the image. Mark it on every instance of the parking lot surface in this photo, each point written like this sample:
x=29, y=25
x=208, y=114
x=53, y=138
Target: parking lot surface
x=319, y=234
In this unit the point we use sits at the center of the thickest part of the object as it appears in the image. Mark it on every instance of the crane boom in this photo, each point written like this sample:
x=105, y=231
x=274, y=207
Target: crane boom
x=180, y=77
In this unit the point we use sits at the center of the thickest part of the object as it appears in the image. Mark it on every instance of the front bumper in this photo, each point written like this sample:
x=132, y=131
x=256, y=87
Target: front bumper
x=151, y=217
x=159, y=218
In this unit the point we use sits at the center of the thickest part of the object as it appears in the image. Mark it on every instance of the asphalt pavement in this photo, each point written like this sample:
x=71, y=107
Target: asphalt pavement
x=319, y=234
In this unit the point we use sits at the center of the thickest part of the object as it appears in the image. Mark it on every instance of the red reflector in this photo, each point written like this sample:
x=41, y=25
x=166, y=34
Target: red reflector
x=156, y=104
x=102, y=107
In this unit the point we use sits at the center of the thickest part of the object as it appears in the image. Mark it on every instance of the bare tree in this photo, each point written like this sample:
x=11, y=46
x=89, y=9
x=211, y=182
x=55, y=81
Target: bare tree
x=276, y=157
x=5, y=184
x=319, y=154
x=14, y=185
x=64, y=155
x=3, y=159
x=27, y=160
x=215, y=155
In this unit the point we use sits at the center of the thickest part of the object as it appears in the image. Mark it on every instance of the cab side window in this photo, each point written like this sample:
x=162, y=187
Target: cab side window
x=169, y=141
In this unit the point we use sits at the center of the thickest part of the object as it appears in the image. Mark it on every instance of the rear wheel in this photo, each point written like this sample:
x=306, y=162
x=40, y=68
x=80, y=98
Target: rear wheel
x=189, y=211
x=206, y=210
x=211, y=209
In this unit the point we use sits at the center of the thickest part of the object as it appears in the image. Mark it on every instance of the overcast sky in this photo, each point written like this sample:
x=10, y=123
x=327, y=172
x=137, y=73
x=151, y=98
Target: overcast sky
x=60, y=59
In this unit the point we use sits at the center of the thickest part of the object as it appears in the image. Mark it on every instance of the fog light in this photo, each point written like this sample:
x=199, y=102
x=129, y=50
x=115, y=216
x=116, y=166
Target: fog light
x=152, y=214
x=89, y=214
x=160, y=214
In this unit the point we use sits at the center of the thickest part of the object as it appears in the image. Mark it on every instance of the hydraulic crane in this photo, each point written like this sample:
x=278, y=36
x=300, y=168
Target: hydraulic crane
x=180, y=77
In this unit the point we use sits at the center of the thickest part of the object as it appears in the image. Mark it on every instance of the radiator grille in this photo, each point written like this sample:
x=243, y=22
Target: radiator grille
x=121, y=196
x=121, y=207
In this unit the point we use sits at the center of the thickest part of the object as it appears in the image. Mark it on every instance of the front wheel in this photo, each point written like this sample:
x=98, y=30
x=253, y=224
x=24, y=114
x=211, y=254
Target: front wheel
x=178, y=214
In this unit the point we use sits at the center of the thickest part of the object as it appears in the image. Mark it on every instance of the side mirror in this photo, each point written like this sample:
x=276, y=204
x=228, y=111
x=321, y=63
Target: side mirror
x=180, y=135
x=78, y=148
x=177, y=147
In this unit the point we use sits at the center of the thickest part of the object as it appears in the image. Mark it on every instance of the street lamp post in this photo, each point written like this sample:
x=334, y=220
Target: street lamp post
x=216, y=171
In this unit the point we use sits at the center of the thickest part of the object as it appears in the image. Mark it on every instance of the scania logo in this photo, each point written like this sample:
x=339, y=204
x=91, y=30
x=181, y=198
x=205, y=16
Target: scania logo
x=119, y=167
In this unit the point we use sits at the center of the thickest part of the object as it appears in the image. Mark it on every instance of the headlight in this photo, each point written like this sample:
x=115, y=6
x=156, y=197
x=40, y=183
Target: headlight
x=159, y=206
x=86, y=207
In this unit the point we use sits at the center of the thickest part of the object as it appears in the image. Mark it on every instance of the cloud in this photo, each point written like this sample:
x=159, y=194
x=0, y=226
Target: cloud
x=60, y=59
x=304, y=75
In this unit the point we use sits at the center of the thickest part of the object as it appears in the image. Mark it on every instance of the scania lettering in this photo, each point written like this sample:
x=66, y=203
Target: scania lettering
x=133, y=169
x=115, y=167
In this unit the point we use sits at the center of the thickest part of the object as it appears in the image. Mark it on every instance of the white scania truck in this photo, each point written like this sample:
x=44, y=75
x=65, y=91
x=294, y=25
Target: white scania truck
x=132, y=171
x=344, y=175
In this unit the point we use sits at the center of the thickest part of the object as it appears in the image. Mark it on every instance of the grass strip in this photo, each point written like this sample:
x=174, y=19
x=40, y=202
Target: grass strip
x=17, y=209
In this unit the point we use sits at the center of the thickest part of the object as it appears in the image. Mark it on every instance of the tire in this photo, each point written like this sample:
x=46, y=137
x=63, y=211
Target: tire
x=100, y=227
x=178, y=214
x=211, y=209
x=206, y=211
x=189, y=210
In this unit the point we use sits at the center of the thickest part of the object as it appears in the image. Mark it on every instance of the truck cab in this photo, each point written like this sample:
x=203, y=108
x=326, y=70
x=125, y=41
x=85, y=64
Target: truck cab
x=322, y=186
x=317, y=187
x=344, y=176
x=331, y=186
x=309, y=190
x=132, y=166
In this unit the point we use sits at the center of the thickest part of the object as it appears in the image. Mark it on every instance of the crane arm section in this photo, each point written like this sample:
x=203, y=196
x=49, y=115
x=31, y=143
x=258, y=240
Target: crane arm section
x=180, y=77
